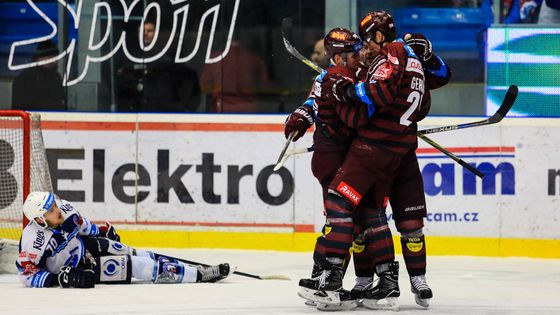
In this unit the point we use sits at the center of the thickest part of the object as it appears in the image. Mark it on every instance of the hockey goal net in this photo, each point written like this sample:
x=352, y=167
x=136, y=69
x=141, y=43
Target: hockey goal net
x=23, y=167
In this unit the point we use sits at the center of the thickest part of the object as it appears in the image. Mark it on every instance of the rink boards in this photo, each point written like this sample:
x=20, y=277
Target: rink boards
x=207, y=181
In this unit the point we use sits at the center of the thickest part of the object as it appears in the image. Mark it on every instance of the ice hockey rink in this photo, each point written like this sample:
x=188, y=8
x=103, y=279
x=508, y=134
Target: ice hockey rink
x=461, y=285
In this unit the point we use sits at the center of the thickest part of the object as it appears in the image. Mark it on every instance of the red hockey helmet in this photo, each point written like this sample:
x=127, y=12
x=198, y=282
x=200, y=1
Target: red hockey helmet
x=342, y=40
x=378, y=21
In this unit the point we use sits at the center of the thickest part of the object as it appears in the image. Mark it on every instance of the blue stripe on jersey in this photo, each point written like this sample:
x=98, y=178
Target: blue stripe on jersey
x=309, y=102
x=65, y=243
x=410, y=51
x=442, y=72
x=361, y=92
x=320, y=77
x=38, y=279
x=94, y=230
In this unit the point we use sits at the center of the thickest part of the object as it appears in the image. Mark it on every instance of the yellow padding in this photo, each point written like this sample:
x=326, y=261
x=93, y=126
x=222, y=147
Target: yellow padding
x=435, y=245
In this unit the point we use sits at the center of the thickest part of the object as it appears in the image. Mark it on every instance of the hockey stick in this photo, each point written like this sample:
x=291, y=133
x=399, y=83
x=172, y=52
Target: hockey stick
x=455, y=158
x=289, y=153
x=507, y=103
x=286, y=30
x=287, y=36
x=290, y=138
x=239, y=273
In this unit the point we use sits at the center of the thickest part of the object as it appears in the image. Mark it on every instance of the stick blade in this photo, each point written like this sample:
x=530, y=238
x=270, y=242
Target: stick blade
x=275, y=277
x=286, y=28
x=509, y=99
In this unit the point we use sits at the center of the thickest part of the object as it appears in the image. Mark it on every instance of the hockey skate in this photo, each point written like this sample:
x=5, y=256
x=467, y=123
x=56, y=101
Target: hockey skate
x=325, y=288
x=387, y=288
x=421, y=290
x=212, y=273
x=349, y=300
x=316, y=271
x=360, y=288
x=347, y=303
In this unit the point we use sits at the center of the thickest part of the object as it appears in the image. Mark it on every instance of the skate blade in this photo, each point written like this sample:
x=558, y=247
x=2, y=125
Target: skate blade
x=392, y=304
x=422, y=302
x=342, y=306
x=323, y=297
x=310, y=302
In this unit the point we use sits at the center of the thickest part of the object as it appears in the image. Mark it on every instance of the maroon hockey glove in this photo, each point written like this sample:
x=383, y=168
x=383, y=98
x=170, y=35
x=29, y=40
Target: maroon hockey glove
x=335, y=88
x=299, y=121
x=109, y=232
x=421, y=45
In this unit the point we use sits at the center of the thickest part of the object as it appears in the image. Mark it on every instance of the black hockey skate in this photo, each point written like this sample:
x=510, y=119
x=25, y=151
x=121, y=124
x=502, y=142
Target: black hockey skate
x=360, y=289
x=347, y=302
x=325, y=288
x=212, y=273
x=421, y=290
x=315, y=272
x=387, y=288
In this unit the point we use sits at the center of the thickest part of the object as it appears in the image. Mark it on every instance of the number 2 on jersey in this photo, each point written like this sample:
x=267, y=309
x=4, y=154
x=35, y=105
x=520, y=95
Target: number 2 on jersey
x=414, y=99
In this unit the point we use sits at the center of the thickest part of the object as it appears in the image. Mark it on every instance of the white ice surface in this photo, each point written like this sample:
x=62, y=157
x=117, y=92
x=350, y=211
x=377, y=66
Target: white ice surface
x=461, y=285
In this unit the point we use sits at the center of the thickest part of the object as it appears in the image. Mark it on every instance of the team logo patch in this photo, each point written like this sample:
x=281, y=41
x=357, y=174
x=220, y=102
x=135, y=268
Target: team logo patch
x=414, y=244
x=383, y=72
x=349, y=192
x=110, y=267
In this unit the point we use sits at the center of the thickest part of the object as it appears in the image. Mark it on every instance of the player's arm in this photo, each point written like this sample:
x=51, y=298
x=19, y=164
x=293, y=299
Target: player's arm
x=436, y=70
x=303, y=117
x=353, y=114
x=30, y=272
x=85, y=227
x=382, y=88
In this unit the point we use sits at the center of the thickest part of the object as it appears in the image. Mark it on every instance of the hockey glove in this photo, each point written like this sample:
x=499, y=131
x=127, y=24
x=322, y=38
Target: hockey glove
x=70, y=277
x=336, y=86
x=299, y=121
x=421, y=45
x=109, y=232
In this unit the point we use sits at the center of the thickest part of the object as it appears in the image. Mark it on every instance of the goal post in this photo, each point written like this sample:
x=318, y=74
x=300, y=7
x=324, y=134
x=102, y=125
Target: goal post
x=23, y=167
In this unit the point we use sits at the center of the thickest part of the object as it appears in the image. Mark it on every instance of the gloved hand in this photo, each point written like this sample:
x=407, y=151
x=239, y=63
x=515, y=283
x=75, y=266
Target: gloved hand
x=335, y=88
x=109, y=232
x=73, y=277
x=299, y=121
x=421, y=45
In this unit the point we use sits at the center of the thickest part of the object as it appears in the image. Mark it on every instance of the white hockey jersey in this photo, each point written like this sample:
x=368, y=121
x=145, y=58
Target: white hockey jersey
x=43, y=251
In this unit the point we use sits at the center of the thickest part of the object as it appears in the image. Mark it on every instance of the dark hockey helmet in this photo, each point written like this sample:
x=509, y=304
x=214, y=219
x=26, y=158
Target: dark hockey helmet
x=378, y=21
x=342, y=40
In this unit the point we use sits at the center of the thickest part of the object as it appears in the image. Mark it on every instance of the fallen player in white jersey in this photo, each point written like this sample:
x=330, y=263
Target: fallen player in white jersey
x=59, y=247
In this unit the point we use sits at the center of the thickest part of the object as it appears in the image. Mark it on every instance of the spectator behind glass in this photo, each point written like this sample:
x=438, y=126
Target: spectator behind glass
x=40, y=88
x=520, y=11
x=235, y=81
x=319, y=56
x=550, y=13
x=158, y=86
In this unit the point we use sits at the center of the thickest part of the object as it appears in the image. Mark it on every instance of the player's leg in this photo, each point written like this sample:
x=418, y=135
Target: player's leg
x=357, y=174
x=409, y=209
x=117, y=260
x=380, y=247
x=324, y=165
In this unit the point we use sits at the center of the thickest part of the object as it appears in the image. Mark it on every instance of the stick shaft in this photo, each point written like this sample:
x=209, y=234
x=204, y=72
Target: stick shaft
x=452, y=156
x=190, y=262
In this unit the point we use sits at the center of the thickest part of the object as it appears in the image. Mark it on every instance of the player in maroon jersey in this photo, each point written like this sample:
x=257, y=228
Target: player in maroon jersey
x=335, y=130
x=385, y=69
x=408, y=202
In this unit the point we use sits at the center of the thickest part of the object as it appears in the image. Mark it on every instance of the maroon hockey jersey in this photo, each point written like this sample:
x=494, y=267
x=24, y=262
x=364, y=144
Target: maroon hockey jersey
x=396, y=97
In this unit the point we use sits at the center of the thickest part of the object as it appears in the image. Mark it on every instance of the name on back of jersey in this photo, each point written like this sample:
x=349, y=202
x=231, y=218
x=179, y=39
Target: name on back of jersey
x=417, y=84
